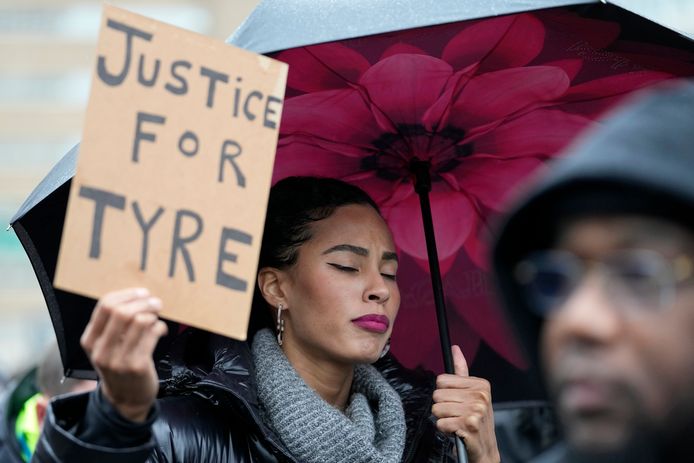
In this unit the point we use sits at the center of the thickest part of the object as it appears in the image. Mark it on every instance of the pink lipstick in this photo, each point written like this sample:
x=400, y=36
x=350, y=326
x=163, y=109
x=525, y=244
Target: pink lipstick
x=373, y=322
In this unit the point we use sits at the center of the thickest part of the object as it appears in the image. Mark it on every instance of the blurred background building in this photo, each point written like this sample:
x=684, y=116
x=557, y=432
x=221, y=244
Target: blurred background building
x=46, y=56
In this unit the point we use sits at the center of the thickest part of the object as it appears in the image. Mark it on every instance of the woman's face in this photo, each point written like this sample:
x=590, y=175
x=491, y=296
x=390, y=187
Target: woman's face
x=341, y=294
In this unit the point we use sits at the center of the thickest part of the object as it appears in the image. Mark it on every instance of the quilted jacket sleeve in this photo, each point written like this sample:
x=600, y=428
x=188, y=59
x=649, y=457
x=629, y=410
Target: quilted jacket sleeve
x=80, y=428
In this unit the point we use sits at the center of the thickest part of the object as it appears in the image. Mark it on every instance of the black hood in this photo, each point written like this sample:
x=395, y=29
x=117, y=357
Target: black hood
x=640, y=160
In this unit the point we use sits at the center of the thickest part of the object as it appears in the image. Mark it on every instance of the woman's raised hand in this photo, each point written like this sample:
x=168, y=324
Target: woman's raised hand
x=463, y=406
x=119, y=340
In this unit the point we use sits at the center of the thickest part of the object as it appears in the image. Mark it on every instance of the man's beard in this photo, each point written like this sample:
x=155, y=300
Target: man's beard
x=634, y=451
x=646, y=444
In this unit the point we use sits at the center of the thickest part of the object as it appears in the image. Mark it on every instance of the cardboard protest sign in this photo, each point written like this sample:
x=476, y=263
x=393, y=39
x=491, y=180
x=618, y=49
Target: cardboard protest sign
x=174, y=172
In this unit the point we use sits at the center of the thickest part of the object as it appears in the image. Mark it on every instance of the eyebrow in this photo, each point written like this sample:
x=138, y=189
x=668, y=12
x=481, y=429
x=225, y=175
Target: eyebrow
x=358, y=250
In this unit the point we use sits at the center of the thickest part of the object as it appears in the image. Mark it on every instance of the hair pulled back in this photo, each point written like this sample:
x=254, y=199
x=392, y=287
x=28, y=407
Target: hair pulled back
x=294, y=204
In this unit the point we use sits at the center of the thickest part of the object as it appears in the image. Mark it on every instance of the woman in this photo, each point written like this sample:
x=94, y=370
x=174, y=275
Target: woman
x=303, y=388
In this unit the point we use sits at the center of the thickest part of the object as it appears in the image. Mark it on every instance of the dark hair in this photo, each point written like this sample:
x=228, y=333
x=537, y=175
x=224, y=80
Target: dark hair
x=294, y=204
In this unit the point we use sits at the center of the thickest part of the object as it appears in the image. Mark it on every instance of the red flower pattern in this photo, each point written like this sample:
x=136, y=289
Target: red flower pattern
x=485, y=103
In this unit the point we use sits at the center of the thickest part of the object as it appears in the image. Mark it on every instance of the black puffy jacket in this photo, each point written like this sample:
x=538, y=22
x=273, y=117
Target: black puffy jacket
x=209, y=412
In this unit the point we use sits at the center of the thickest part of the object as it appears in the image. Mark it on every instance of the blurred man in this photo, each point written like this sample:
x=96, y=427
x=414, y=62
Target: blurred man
x=23, y=406
x=597, y=264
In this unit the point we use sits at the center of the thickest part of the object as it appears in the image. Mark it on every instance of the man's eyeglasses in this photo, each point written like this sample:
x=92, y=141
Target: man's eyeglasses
x=636, y=280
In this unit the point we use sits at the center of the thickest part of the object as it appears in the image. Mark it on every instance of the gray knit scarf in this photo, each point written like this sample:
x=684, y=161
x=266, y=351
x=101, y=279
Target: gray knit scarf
x=316, y=432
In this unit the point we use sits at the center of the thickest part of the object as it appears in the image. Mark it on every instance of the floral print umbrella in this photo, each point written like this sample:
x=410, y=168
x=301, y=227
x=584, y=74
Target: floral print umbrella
x=483, y=104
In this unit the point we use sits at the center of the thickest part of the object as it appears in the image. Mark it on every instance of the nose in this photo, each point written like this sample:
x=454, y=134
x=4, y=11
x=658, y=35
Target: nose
x=376, y=289
x=588, y=317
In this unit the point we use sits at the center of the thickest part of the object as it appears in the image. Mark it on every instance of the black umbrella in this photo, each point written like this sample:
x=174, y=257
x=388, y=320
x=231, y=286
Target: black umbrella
x=39, y=221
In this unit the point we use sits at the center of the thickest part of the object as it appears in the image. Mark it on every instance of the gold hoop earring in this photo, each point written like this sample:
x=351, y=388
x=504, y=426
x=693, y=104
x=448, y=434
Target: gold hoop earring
x=280, y=324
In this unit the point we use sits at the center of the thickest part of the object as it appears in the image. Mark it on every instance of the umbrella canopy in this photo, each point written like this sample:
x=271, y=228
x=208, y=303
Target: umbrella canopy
x=476, y=323
x=376, y=90
x=280, y=24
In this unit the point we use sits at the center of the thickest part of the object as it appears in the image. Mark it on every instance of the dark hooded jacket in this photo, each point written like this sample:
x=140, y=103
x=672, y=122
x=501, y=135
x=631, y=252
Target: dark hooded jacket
x=640, y=161
x=208, y=411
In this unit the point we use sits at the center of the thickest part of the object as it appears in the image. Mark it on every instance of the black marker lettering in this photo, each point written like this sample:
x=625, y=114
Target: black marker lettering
x=179, y=242
x=224, y=279
x=102, y=199
x=183, y=89
x=145, y=226
x=140, y=135
x=188, y=149
x=130, y=32
x=214, y=76
x=271, y=124
x=254, y=94
x=141, y=72
x=226, y=156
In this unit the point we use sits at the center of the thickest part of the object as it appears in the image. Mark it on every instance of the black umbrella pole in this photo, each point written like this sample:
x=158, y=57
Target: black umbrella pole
x=423, y=187
x=436, y=283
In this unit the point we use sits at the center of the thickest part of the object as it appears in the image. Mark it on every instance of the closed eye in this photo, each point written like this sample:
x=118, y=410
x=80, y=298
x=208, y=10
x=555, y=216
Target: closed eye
x=343, y=268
